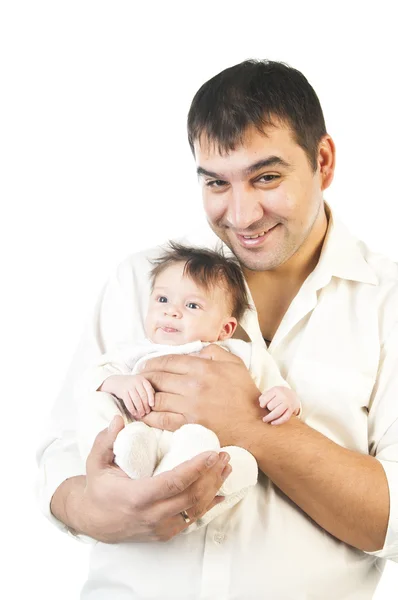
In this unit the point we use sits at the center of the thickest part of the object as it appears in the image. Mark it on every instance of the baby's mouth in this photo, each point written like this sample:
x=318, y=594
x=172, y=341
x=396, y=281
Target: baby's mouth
x=169, y=329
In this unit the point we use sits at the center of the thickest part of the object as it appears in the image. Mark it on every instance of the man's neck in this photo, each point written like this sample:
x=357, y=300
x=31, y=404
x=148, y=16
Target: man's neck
x=273, y=291
x=296, y=270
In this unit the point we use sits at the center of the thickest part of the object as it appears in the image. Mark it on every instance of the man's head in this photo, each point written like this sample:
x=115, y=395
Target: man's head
x=263, y=155
x=196, y=294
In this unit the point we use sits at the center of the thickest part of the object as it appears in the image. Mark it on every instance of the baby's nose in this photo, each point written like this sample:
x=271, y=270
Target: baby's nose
x=173, y=311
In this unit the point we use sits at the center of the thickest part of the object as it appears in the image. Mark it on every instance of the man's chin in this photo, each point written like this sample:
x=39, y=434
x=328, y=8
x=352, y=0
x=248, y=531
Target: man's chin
x=251, y=260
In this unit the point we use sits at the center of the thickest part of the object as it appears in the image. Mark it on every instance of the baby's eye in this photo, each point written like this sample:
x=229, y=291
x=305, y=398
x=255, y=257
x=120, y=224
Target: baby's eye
x=193, y=305
x=162, y=299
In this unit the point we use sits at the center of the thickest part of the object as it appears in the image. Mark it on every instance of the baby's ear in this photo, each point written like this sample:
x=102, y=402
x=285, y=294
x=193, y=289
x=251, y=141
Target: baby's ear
x=228, y=329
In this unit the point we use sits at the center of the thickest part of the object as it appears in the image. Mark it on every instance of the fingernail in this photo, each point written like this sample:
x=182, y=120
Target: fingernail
x=212, y=459
x=226, y=472
x=225, y=458
x=112, y=424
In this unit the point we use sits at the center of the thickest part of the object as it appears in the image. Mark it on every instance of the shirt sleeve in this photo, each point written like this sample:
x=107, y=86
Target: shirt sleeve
x=116, y=319
x=264, y=369
x=109, y=364
x=383, y=435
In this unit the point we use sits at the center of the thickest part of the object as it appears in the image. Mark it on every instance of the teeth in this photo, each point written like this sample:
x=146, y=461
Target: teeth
x=253, y=237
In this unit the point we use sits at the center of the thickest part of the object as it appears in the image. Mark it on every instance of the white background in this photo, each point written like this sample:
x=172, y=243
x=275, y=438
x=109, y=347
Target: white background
x=95, y=164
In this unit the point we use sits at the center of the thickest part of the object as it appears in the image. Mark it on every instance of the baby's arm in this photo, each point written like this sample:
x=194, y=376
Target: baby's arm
x=136, y=393
x=282, y=402
x=277, y=397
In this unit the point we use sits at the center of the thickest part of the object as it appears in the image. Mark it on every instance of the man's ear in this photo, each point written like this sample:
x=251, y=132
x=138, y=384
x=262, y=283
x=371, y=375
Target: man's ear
x=228, y=329
x=326, y=161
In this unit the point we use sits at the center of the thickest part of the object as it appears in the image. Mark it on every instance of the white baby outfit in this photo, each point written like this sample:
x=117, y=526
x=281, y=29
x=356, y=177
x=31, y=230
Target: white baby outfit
x=143, y=451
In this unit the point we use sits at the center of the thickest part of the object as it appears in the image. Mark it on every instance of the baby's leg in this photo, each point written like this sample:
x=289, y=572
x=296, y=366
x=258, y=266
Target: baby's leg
x=185, y=443
x=136, y=449
x=244, y=471
x=136, y=445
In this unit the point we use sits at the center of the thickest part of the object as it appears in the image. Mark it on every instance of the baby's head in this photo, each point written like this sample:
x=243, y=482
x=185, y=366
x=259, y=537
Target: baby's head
x=196, y=294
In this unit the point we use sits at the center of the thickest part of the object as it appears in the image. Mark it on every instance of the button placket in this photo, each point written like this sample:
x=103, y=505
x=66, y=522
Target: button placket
x=216, y=560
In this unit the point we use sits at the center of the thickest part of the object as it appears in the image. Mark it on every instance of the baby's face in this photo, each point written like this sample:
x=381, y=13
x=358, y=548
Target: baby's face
x=180, y=311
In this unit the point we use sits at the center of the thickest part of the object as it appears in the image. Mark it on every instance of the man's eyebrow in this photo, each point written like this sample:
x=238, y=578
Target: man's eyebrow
x=271, y=161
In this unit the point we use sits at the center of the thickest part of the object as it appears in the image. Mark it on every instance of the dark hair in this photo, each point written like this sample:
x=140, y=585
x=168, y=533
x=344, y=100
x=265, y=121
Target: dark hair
x=256, y=92
x=208, y=269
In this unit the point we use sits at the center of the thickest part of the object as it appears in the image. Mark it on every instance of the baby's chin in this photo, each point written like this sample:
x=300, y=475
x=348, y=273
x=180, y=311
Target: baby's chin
x=170, y=339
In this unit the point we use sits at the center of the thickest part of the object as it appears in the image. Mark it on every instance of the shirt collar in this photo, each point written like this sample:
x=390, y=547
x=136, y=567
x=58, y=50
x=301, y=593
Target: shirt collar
x=342, y=256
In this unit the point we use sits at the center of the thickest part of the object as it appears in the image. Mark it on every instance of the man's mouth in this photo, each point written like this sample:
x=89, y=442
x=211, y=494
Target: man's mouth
x=250, y=241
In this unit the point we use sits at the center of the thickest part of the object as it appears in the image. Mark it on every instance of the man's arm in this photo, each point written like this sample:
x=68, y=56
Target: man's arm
x=110, y=507
x=106, y=504
x=345, y=492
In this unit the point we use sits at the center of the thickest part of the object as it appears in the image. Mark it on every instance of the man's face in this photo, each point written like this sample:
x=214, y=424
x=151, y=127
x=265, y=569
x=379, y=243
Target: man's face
x=180, y=311
x=263, y=198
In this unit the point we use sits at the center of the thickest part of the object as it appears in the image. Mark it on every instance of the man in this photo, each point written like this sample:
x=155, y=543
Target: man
x=324, y=515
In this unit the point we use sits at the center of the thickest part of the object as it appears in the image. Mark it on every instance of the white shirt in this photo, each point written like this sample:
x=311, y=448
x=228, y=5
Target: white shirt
x=337, y=347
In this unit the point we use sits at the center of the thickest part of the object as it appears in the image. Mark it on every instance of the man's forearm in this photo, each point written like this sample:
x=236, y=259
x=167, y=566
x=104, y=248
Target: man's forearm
x=345, y=492
x=66, y=503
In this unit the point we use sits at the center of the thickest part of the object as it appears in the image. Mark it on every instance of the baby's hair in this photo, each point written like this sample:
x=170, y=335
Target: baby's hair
x=208, y=269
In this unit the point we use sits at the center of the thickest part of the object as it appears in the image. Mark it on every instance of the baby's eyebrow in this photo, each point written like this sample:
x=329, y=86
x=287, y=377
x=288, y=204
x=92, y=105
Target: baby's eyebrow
x=200, y=299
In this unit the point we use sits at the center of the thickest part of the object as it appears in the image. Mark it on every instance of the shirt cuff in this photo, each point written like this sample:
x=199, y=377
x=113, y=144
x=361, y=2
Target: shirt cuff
x=390, y=548
x=58, y=466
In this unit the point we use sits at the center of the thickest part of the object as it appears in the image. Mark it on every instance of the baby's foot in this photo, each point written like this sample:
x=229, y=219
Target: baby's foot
x=135, y=450
x=244, y=471
x=188, y=441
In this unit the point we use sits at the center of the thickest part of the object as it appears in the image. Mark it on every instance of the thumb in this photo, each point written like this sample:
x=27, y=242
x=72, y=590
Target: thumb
x=214, y=352
x=101, y=454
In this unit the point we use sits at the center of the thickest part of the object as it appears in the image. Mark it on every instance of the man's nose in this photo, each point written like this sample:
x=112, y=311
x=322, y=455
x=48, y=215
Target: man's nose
x=244, y=208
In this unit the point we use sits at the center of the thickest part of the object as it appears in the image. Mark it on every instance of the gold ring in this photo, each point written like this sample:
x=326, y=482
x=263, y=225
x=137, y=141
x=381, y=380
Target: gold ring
x=185, y=516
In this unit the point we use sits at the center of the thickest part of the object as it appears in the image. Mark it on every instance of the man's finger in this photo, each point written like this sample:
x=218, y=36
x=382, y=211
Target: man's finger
x=179, y=364
x=198, y=500
x=174, y=482
x=172, y=403
x=172, y=383
x=164, y=420
x=214, y=352
x=101, y=454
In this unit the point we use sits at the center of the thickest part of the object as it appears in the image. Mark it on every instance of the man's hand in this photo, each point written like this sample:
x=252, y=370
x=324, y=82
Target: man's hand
x=218, y=393
x=110, y=507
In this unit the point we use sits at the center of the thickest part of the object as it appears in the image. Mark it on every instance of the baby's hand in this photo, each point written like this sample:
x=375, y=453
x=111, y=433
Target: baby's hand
x=135, y=391
x=282, y=403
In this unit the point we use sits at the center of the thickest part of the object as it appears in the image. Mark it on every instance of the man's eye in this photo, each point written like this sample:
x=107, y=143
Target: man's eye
x=267, y=178
x=216, y=183
x=192, y=305
x=162, y=299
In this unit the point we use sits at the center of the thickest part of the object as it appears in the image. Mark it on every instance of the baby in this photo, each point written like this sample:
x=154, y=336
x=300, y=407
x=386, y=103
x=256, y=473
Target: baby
x=197, y=297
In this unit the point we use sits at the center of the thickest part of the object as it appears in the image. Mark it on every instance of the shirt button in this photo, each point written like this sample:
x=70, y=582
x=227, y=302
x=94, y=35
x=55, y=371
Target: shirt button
x=219, y=538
